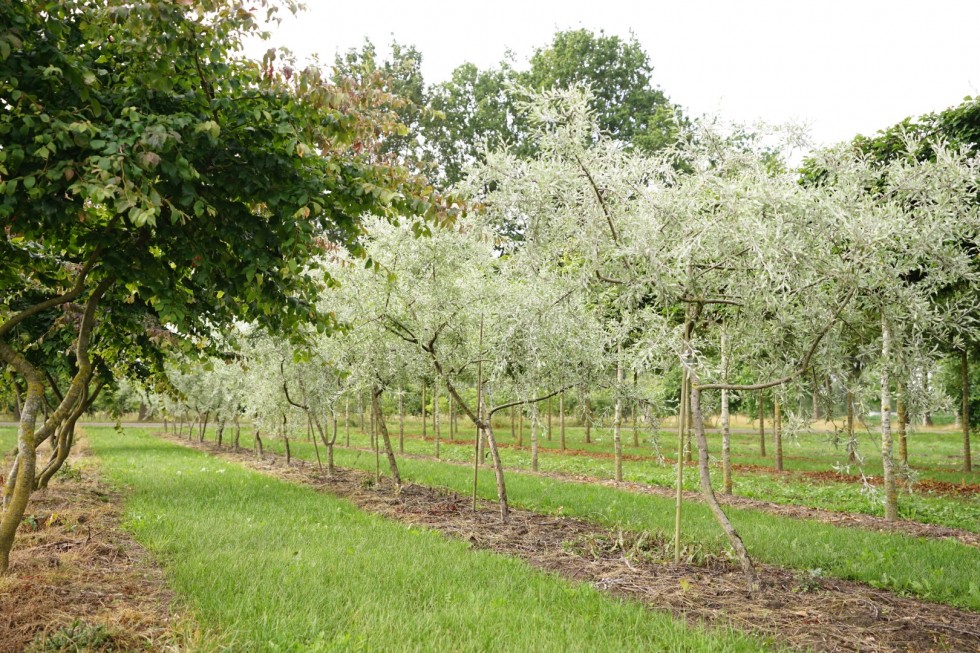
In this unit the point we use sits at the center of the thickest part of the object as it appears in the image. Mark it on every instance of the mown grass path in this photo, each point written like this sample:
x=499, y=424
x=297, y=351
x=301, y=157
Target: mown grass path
x=272, y=566
x=943, y=571
x=798, y=609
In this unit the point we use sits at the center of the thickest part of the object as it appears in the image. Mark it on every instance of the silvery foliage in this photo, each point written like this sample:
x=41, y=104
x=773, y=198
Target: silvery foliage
x=737, y=233
x=538, y=335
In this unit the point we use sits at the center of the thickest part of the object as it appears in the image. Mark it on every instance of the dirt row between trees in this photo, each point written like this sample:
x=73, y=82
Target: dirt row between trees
x=795, y=609
x=79, y=582
x=843, y=519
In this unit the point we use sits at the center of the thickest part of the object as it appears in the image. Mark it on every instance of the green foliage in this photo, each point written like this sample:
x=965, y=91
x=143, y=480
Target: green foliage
x=78, y=636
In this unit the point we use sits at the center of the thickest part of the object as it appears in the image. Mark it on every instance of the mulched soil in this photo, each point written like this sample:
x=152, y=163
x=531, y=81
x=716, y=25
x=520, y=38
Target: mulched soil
x=795, y=609
x=77, y=581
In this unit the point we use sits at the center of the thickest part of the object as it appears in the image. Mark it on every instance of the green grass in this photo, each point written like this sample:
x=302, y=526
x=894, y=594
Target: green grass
x=272, y=566
x=934, y=454
x=791, y=489
x=939, y=570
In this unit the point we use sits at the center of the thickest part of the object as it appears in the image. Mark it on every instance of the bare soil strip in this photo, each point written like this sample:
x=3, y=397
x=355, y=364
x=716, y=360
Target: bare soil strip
x=805, y=613
x=77, y=581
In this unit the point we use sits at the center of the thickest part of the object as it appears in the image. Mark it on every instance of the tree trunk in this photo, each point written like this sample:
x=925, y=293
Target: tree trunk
x=561, y=420
x=238, y=433
x=425, y=421
x=534, y=438
x=15, y=502
x=452, y=419
x=851, y=443
x=220, y=433
x=887, y=462
x=816, y=400
x=679, y=496
x=902, y=418
x=709, y=496
x=204, y=426
x=636, y=409
x=965, y=410
x=379, y=421
x=618, y=418
x=285, y=439
x=548, y=433
x=401, y=421
x=762, y=424
x=435, y=417
x=513, y=422
x=587, y=416
x=777, y=432
x=347, y=421
x=258, y=443
x=726, y=430
x=520, y=426
x=141, y=417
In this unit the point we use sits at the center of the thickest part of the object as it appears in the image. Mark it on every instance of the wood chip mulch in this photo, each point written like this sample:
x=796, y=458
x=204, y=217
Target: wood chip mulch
x=77, y=581
x=795, y=609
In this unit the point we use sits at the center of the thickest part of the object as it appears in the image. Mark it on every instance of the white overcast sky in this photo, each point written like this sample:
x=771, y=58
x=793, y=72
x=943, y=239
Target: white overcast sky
x=841, y=67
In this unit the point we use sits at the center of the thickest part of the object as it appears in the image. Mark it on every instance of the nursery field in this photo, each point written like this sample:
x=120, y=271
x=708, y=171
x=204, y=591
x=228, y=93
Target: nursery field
x=810, y=478
x=267, y=565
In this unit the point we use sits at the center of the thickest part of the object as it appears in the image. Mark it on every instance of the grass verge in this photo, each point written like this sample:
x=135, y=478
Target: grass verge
x=943, y=571
x=274, y=566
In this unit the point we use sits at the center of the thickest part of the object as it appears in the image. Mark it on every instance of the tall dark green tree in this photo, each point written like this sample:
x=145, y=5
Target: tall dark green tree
x=151, y=176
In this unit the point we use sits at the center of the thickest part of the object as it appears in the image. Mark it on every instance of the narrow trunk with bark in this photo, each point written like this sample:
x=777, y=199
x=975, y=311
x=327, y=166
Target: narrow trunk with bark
x=887, y=460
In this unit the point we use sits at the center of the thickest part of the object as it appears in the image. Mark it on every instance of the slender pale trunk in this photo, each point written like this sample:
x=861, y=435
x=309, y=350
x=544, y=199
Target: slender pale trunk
x=561, y=420
x=520, y=426
x=238, y=432
x=534, y=437
x=636, y=410
x=330, y=445
x=425, y=421
x=900, y=408
x=679, y=495
x=435, y=416
x=258, y=443
x=479, y=417
x=887, y=461
x=777, y=432
x=965, y=411
x=548, y=433
x=452, y=419
x=726, y=430
x=587, y=415
x=401, y=421
x=204, y=426
x=285, y=439
x=373, y=433
x=851, y=443
x=347, y=420
x=709, y=495
x=379, y=421
x=513, y=422
x=618, y=417
x=762, y=424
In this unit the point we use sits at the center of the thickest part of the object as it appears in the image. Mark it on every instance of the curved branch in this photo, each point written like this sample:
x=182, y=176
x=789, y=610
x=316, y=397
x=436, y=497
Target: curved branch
x=801, y=368
x=71, y=295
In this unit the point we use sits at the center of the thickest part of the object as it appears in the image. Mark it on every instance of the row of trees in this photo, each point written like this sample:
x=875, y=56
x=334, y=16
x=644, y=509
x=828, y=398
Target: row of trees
x=165, y=201
x=709, y=257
